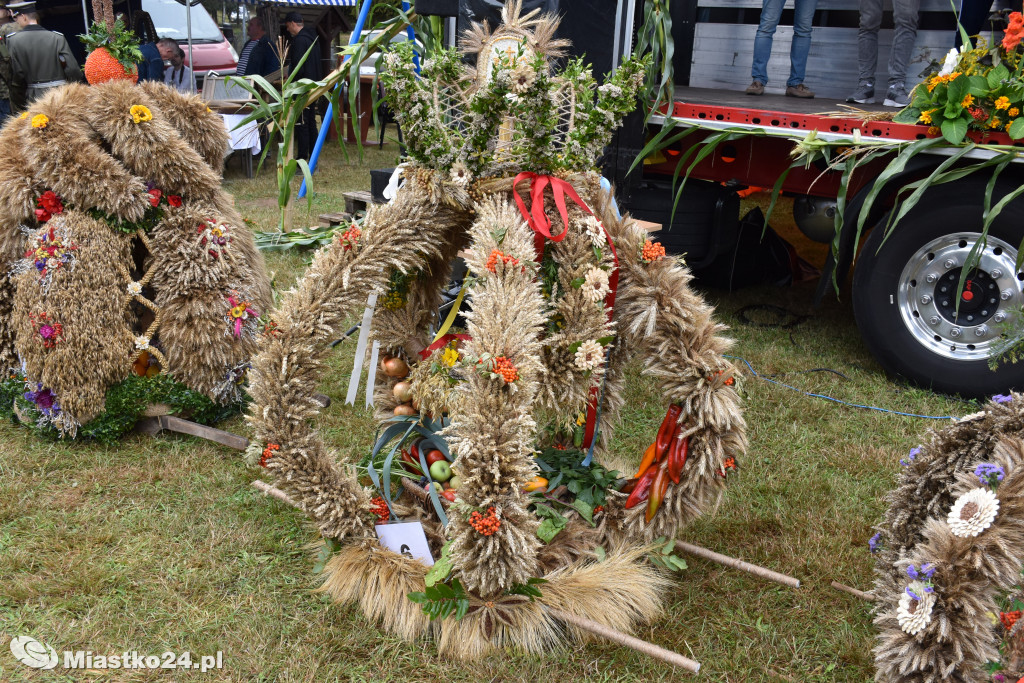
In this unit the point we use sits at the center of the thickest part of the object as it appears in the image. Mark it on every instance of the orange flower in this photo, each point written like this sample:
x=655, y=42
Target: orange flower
x=967, y=101
x=40, y=121
x=1014, y=32
x=652, y=251
x=503, y=366
x=1013, y=111
x=926, y=116
x=995, y=123
x=1003, y=103
x=934, y=131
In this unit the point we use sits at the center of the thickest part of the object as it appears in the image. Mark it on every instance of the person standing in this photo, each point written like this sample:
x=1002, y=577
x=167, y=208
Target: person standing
x=151, y=68
x=803, y=18
x=905, y=16
x=177, y=75
x=7, y=27
x=40, y=59
x=302, y=40
x=258, y=57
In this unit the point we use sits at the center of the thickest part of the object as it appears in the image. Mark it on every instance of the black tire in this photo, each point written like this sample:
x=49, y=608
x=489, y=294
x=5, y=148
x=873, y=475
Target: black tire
x=902, y=311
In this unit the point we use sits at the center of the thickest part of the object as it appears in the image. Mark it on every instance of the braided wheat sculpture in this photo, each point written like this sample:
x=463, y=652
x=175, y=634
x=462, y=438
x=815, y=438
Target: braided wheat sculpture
x=120, y=253
x=557, y=310
x=950, y=551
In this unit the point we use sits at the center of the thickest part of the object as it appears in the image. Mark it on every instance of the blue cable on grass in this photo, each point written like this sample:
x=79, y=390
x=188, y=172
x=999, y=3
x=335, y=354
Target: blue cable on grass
x=836, y=400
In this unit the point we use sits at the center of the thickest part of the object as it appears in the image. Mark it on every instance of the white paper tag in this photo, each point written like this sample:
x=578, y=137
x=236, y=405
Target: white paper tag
x=406, y=538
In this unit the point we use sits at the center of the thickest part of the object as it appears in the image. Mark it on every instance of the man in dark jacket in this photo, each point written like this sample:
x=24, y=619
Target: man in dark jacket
x=302, y=40
x=40, y=59
x=257, y=57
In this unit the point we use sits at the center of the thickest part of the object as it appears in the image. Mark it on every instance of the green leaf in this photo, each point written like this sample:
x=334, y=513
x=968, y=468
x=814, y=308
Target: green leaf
x=549, y=528
x=601, y=554
x=954, y=130
x=1016, y=129
x=908, y=115
x=442, y=568
x=997, y=75
x=605, y=341
x=418, y=598
x=577, y=283
x=977, y=86
x=956, y=89
x=575, y=346
x=585, y=510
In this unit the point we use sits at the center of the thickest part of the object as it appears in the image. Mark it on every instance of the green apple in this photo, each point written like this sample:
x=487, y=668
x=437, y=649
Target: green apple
x=455, y=482
x=440, y=471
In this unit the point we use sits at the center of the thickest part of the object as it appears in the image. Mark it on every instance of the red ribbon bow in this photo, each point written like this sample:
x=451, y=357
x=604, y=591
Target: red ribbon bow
x=443, y=341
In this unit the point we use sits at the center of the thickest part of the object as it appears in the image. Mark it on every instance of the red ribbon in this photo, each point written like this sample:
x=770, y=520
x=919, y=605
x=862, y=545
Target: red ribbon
x=443, y=341
x=539, y=222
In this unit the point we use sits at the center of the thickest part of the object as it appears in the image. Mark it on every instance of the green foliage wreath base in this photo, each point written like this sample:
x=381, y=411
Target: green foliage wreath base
x=125, y=404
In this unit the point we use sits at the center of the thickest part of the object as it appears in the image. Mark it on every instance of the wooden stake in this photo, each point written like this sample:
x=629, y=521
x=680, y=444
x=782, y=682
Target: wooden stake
x=642, y=646
x=870, y=597
x=154, y=425
x=269, y=490
x=738, y=564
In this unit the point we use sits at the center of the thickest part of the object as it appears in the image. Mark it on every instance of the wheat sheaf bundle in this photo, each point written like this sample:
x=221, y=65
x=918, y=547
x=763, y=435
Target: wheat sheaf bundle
x=951, y=546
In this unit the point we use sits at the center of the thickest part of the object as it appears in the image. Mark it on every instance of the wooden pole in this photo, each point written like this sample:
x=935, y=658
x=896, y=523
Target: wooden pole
x=269, y=490
x=870, y=597
x=642, y=646
x=727, y=561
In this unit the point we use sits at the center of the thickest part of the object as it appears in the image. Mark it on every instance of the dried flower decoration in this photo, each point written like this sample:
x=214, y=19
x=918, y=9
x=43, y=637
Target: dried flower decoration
x=450, y=356
x=595, y=285
x=989, y=474
x=51, y=252
x=44, y=401
x=973, y=512
x=142, y=342
x=914, y=452
x=214, y=237
x=874, y=542
x=594, y=231
x=240, y=314
x=914, y=611
x=40, y=121
x=652, y=251
x=140, y=113
x=49, y=206
x=590, y=355
x=135, y=288
x=460, y=175
x=1009, y=619
x=49, y=332
x=174, y=200
x=24, y=115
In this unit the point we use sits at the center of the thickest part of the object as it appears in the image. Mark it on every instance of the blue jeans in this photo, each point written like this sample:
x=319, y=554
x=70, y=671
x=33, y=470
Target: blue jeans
x=5, y=110
x=771, y=12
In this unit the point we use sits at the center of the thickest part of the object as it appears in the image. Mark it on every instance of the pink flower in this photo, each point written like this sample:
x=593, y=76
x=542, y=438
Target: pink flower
x=46, y=331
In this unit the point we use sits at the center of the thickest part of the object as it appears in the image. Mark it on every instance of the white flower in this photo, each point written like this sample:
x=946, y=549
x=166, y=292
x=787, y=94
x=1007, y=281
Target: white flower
x=512, y=97
x=973, y=512
x=589, y=355
x=523, y=76
x=949, y=65
x=594, y=231
x=914, y=613
x=142, y=342
x=595, y=286
x=610, y=88
x=460, y=174
x=135, y=288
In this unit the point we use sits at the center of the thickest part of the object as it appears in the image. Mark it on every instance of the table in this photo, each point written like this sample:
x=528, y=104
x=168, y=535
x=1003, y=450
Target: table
x=246, y=137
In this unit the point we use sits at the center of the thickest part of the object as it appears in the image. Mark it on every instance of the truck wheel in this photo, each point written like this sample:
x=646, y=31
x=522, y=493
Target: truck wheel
x=904, y=297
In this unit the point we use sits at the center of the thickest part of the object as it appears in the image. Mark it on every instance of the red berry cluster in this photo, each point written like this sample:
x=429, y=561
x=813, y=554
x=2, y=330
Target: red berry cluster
x=652, y=251
x=978, y=114
x=728, y=466
x=487, y=524
x=503, y=366
x=599, y=508
x=379, y=507
x=350, y=237
x=268, y=453
x=1009, y=618
x=492, y=260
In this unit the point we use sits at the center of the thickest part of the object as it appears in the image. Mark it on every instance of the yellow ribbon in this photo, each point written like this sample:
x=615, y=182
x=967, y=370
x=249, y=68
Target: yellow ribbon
x=452, y=314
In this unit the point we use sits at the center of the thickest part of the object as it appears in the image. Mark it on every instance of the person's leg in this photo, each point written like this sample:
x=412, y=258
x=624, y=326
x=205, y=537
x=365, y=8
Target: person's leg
x=305, y=132
x=867, y=40
x=973, y=14
x=5, y=110
x=803, y=19
x=905, y=17
x=771, y=12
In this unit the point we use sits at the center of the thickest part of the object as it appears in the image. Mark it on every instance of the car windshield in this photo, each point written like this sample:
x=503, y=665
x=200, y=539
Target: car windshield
x=170, y=21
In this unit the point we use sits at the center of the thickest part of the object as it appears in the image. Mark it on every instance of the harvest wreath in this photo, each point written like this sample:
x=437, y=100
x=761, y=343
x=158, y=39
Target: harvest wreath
x=124, y=265
x=563, y=293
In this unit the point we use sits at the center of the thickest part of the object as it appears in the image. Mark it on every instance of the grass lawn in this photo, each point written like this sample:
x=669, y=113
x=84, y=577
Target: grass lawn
x=161, y=544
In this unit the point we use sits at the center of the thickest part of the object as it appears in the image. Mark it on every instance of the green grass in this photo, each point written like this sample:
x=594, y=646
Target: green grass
x=161, y=544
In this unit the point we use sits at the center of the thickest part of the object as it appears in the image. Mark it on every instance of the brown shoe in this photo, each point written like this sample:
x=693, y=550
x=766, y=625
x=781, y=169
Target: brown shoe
x=799, y=91
x=755, y=88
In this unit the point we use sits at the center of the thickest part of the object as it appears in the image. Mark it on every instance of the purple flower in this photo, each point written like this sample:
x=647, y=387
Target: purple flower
x=913, y=594
x=928, y=570
x=1002, y=398
x=989, y=473
x=46, y=331
x=43, y=399
x=912, y=572
x=914, y=452
x=873, y=542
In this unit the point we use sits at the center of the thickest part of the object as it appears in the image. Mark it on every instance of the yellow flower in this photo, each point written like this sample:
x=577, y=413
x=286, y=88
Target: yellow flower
x=932, y=82
x=926, y=116
x=1003, y=103
x=1013, y=111
x=24, y=115
x=967, y=101
x=450, y=357
x=209, y=111
x=40, y=121
x=995, y=123
x=581, y=419
x=140, y=113
x=238, y=311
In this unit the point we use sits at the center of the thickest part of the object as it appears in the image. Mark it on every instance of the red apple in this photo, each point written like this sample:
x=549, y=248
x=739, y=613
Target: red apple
x=435, y=456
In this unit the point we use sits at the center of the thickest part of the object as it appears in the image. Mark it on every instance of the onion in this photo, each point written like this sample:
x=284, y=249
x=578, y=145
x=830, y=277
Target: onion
x=395, y=367
x=384, y=363
x=405, y=410
x=415, y=403
x=403, y=392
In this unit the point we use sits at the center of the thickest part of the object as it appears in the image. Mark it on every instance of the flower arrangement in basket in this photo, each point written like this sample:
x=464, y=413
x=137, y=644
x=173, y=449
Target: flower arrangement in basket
x=949, y=554
x=129, y=283
x=494, y=441
x=980, y=88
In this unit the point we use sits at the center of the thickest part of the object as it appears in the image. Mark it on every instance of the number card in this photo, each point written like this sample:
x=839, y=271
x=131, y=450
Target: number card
x=406, y=538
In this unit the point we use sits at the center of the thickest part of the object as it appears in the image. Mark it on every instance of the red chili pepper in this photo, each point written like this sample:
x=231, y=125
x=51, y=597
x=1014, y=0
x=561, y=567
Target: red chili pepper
x=668, y=427
x=677, y=458
x=646, y=461
x=629, y=486
x=643, y=488
x=657, y=493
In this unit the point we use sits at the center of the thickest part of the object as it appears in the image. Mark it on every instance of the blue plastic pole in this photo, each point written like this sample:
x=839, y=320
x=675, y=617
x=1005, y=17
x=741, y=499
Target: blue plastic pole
x=364, y=11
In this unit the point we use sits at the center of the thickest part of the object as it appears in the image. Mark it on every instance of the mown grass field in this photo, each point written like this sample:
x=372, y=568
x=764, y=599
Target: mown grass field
x=160, y=544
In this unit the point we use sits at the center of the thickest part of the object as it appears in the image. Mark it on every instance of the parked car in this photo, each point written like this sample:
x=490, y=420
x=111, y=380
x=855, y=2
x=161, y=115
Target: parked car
x=210, y=50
